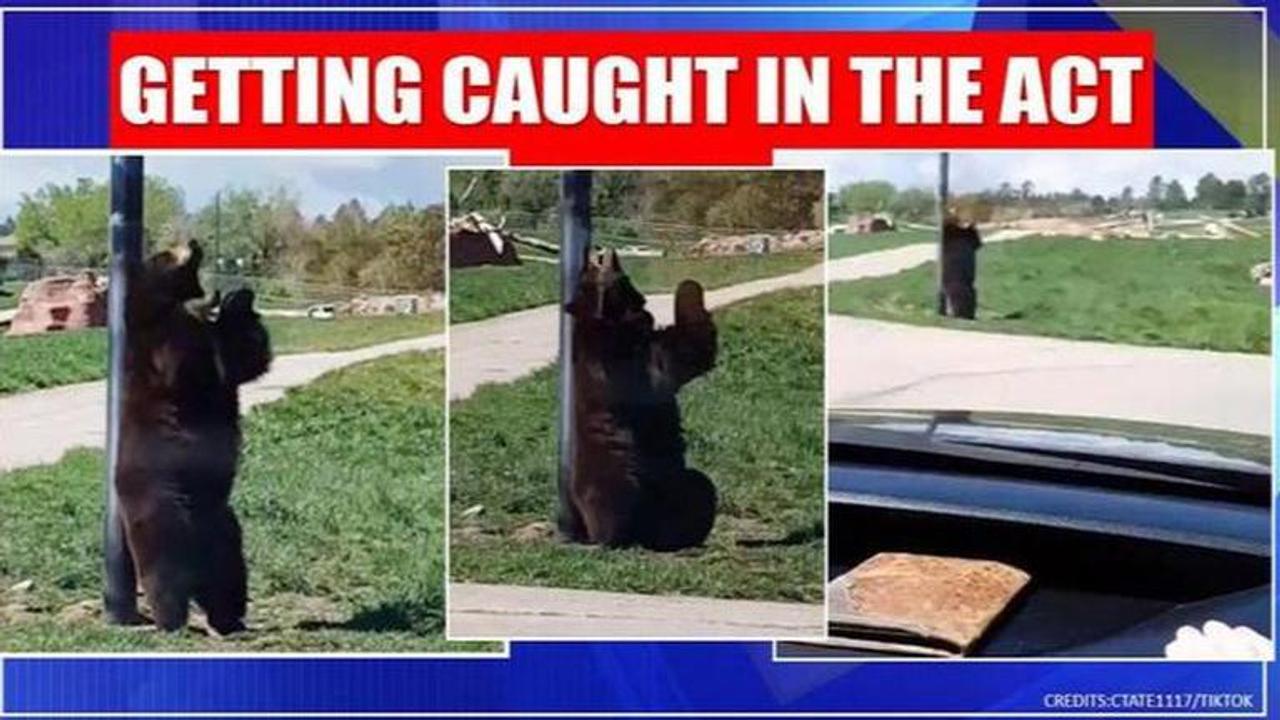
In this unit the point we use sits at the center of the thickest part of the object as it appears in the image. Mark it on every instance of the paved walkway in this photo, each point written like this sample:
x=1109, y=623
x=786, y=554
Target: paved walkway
x=507, y=347
x=874, y=364
x=38, y=427
x=514, y=612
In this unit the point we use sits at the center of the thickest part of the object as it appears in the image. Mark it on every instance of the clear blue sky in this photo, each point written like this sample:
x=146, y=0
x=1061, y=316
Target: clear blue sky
x=320, y=183
x=1095, y=172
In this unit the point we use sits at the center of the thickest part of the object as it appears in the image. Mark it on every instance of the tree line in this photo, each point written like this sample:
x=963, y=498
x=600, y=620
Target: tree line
x=659, y=207
x=245, y=232
x=1251, y=196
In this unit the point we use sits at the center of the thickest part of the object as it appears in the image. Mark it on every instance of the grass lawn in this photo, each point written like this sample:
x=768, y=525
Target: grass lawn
x=481, y=292
x=339, y=494
x=43, y=361
x=1180, y=293
x=753, y=424
x=842, y=244
x=14, y=288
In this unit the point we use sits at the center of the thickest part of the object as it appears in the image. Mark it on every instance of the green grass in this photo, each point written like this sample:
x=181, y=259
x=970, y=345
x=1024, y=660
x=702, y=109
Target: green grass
x=480, y=292
x=43, y=361
x=299, y=335
x=842, y=244
x=340, y=495
x=14, y=288
x=753, y=424
x=1180, y=293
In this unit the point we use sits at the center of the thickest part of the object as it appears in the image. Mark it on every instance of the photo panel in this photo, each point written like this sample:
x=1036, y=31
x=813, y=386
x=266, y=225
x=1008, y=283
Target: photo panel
x=636, y=388
x=1049, y=393
x=261, y=403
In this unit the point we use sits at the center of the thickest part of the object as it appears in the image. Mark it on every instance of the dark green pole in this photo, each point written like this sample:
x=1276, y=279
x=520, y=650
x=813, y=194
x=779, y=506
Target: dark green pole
x=943, y=190
x=120, y=595
x=575, y=242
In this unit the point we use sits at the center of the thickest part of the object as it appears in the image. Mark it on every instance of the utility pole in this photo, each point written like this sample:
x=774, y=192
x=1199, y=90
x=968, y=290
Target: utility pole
x=575, y=243
x=120, y=594
x=943, y=189
x=217, y=239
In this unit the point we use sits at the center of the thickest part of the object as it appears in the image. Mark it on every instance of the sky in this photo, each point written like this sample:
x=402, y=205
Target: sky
x=320, y=183
x=1095, y=172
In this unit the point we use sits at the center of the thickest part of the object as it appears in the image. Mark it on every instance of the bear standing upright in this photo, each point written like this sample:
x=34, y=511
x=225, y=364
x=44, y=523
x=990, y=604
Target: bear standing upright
x=185, y=359
x=628, y=482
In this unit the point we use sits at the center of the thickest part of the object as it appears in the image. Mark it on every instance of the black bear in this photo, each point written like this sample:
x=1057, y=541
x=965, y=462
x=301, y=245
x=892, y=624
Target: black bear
x=628, y=482
x=960, y=244
x=185, y=358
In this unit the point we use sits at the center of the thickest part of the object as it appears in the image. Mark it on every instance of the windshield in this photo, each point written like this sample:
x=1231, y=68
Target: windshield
x=1095, y=438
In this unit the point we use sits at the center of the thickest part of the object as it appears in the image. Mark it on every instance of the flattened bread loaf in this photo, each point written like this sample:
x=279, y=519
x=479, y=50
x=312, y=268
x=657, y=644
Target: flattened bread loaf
x=935, y=604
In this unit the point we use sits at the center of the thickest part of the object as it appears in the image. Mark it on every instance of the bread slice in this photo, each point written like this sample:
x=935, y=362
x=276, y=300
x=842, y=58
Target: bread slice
x=920, y=604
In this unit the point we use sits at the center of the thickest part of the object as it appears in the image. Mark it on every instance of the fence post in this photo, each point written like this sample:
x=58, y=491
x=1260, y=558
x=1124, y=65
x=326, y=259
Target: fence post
x=120, y=594
x=943, y=183
x=575, y=242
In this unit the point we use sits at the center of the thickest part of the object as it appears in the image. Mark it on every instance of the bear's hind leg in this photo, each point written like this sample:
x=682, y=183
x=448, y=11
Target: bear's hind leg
x=607, y=514
x=680, y=514
x=223, y=589
x=159, y=542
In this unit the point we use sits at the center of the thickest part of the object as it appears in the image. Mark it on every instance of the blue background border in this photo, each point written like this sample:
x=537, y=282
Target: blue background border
x=55, y=97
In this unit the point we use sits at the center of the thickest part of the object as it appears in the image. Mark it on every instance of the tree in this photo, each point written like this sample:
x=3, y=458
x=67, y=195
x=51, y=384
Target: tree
x=7, y=226
x=1155, y=192
x=1027, y=189
x=66, y=225
x=1175, y=197
x=1126, y=197
x=913, y=204
x=867, y=196
x=1234, y=195
x=1208, y=191
x=1259, y=192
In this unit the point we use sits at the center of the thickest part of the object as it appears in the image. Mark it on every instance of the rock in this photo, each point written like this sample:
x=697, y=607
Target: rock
x=83, y=611
x=368, y=305
x=324, y=311
x=758, y=243
x=61, y=302
x=534, y=532
x=21, y=587
x=1261, y=274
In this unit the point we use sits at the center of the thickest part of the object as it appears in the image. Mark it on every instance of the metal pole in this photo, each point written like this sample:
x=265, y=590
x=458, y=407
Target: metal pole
x=217, y=239
x=575, y=242
x=120, y=594
x=943, y=177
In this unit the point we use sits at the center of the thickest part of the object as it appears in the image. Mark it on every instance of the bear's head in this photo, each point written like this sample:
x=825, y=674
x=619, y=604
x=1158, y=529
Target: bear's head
x=605, y=294
x=169, y=310
x=171, y=277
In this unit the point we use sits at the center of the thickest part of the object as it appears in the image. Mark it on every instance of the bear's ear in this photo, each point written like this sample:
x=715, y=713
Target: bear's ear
x=611, y=259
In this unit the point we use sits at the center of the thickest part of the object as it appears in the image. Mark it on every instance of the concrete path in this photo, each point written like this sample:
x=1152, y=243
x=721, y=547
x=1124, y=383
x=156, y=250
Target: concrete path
x=38, y=427
x=507, y=347
x=895, y=260
x=515, y=612
x=873, y=364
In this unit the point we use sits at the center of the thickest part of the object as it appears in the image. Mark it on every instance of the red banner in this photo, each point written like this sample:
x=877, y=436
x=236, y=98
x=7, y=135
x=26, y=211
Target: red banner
x=639, y=98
